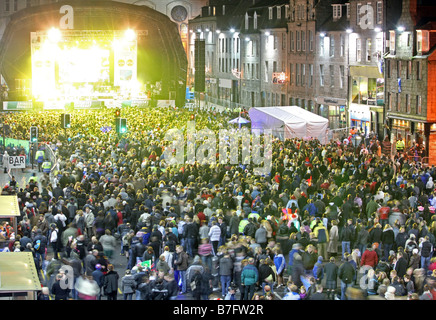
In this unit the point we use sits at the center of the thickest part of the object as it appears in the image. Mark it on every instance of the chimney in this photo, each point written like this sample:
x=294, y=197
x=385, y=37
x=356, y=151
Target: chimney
x=413, y=8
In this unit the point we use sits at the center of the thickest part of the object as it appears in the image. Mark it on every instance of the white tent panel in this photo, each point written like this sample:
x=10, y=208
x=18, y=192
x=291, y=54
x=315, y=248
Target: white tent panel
x=289, y=122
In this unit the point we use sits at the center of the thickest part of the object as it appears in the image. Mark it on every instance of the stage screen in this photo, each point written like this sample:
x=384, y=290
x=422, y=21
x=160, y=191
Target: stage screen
x=72, y=63
x=84, y=65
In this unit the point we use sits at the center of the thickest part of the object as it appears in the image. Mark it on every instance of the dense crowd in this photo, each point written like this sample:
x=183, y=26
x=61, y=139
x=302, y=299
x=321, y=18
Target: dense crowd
x=335, y=221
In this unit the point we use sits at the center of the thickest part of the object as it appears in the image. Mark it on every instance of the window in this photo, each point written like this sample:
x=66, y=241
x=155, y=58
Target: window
x=321, y=75
x=246, y=21
x=418, y=70
x=279, y=12
x=287, y=11
x=358, y=50
x=321, y=46
x=399, y=68
x=359, y=5
x=297, y=73
x=250, y=48
x=224, y=10
x=297, y=33
x=392, y=41
x=337, y=11
x=310, y=40
x=7, y=6
x=270, y=13
x=15, y=5
x=275, y=66
x=398, y=102
x=303, y=74
x=332, y=46
x=275, y=42
x=255, y=21
x=409, y=69
x=28, y=3
x=408, y=103
x=342, y=45
x=291, y=40
x=283, y=41
x=342, y=76
x=347, y=8
x=303, y=41
x=310, y=75
x=418, y=105
x=388, y=68
x=389, y=102
x=422, y=41
x=379, y=12
x=332, y=76
x=368, y=50
x=266, y=71
x=291, y=74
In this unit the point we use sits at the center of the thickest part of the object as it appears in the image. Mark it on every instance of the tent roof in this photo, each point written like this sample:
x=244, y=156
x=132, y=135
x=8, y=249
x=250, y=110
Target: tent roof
x=290, y=114
x=18, y=272
x=9, y=206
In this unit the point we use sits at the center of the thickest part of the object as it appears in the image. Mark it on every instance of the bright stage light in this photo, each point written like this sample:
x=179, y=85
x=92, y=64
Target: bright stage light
x=54, y=35
x=130, y=35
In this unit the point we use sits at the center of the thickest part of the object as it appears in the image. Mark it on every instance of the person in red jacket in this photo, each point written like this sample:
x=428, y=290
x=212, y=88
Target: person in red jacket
x=369, y=257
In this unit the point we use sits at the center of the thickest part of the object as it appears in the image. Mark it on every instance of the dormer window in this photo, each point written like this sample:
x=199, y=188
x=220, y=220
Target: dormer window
x=279, y=12
x=270, y=13
x=422, y=41
x=255, y=21
x=337, y=11
x=224, y=10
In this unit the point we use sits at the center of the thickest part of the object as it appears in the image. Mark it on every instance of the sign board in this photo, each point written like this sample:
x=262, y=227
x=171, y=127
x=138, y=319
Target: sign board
x=16, y=162
x=278, y=77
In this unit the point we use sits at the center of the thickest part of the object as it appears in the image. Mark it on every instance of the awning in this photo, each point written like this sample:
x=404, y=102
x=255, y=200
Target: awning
x=18, y=272
x=367, y=72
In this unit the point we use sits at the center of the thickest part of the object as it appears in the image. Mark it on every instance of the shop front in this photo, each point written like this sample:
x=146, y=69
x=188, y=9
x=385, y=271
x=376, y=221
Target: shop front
x=367, y=89
x=334, y=110
x=360, y=117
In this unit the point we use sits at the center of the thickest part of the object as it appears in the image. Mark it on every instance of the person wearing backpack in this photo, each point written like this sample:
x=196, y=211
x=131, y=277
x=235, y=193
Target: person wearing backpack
x=320, y=232
x=40, y=245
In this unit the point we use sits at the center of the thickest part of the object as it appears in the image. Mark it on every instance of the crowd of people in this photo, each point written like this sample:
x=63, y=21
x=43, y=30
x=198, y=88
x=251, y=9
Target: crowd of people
x=334, y=221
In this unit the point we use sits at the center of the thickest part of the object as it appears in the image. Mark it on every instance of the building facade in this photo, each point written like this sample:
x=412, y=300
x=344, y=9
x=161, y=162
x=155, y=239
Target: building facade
x=409, y=77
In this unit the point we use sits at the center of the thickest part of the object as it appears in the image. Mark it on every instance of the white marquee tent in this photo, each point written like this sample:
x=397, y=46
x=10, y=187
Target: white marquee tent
x=289, y=122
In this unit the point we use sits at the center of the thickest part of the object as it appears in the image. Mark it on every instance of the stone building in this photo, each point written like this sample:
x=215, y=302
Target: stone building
x=409, y=77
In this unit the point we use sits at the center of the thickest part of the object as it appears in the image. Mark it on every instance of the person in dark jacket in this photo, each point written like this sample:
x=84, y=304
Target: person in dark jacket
x=225, y=272
x=388, y=240
x=266, y=273
x=98, y=277
x=110, y=283
x=319, y=294
x=401, y=238
x=297, y=270
x=375, y=235
x=346, y=274
x=401, y=265
x=181, y=263
x=331, y=278
x=60, y=291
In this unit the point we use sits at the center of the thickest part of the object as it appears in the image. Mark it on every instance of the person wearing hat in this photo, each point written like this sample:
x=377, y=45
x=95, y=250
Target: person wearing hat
x=98, y=276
